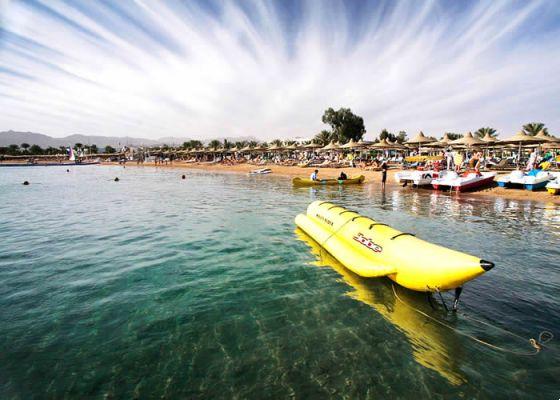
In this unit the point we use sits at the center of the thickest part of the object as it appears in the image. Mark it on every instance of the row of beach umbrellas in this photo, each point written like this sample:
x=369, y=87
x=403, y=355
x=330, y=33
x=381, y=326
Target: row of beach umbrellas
x=468, y=140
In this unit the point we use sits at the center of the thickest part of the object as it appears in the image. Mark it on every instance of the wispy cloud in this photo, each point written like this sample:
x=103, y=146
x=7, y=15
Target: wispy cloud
x=269, y=69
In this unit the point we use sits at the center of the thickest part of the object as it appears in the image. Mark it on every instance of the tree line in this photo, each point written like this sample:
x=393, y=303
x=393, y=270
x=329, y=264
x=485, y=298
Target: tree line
x=36, y=150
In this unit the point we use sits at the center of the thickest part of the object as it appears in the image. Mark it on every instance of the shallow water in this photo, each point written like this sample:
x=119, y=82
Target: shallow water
x=201, y=288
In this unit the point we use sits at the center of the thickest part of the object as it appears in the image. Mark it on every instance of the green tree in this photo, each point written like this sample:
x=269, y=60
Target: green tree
x=110, y=150
x=253, y=144
x=25, y=146
x=277, y=142
x=345, y=125
x=483, y=131
x=36, y=150
x=13, y=149
x=453, y=136
x=51, y=150
x=227, y=144
x=241, y=144
x=93, y=149
x=533, y=128
x=323, y=138
x=401, y=137
x=78, y=146
x=214, y=144
x=385, y=134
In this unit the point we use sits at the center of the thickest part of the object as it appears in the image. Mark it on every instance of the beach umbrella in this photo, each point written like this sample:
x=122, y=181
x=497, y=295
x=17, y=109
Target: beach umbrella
x=364, y=143
x=521, y=138
x=489, y=138
x=312, y=146
x=352, y=144
x=292, y=147
x=331, y=146
x=275, y=147
x=468, y=140
x=382, y=144
x=545, y=138
x=245, y=149
x=443, y=142
x=234, y=149
x=420, y=139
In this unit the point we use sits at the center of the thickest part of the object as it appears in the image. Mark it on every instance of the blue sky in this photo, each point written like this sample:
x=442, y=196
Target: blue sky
x=208, y=69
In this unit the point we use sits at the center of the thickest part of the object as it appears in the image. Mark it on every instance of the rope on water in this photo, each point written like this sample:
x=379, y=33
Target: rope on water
x=537, y=344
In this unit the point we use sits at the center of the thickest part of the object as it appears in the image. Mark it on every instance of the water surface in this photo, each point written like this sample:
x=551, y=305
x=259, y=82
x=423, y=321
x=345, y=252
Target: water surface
x=201, y=288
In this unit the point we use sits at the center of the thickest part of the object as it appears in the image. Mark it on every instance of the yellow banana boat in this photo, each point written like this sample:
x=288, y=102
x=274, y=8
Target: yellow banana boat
x=372, y=249
x=433, y=346
x=309, y=182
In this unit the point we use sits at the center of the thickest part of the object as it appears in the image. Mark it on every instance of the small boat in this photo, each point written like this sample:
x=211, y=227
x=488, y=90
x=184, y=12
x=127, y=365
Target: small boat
x=469, y=180
x=418, y=178
x=373, y=249
x=532, y=180
x=308, y=182
x=262, y=171
x=553, y=187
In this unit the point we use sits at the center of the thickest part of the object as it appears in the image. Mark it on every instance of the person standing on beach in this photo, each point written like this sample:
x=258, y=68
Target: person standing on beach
x=384, y=168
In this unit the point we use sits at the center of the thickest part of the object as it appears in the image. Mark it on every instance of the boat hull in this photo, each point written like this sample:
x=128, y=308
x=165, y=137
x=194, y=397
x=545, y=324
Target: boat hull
x=328, y=182
x=372, y=249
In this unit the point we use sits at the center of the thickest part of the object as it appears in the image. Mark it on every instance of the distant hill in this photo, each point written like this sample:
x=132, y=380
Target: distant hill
x=12, y=137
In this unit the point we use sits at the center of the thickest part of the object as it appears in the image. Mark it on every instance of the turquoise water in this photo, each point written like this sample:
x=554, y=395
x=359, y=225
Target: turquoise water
x=200, y=288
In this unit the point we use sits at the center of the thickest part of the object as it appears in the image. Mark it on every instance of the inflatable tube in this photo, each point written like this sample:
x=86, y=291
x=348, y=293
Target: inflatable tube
x=372, y=249
x=309, y=182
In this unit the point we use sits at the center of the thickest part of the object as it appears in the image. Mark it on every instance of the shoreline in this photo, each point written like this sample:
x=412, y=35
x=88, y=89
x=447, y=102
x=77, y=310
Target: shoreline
x=371, y=178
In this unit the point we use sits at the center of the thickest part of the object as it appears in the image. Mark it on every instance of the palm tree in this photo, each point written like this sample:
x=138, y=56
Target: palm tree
x=483, y=131
x=453, y=136
x=227, y=144
x=276, y=142
x=241, y=144
x=214, y=144
x=25, y=146
x=323, y=138
x=533, y=128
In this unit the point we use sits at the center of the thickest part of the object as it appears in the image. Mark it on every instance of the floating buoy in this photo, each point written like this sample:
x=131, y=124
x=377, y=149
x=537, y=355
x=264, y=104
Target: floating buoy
x=183, y=177
x=67, y=170
x=116, y=179
x=26, y=183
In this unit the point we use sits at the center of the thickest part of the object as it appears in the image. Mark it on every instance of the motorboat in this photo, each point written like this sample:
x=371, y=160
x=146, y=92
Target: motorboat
x=534, y=179
x=469, y=180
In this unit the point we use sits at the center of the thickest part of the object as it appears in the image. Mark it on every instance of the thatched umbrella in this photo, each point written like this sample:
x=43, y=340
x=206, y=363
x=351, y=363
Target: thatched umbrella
x=234, y=149
x=522, y=138
x=420, y=139
x=312, y=146
x=292, y=147
x=443, y=142
x=468, y=140
x=331, y=146
x=275, y=147
x=545, y=138
x=489, y=138
x=382, y=144
x=364, y=143
x=352, y=144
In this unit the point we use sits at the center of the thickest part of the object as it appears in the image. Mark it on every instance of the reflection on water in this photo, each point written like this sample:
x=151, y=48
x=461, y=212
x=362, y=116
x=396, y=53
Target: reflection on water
x=433, y=345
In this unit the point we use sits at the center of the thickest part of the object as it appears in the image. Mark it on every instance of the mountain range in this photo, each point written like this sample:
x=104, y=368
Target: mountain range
x=13, y=137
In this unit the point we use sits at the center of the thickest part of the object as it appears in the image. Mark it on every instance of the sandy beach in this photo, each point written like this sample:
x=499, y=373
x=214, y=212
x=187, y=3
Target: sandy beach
x=372, y=177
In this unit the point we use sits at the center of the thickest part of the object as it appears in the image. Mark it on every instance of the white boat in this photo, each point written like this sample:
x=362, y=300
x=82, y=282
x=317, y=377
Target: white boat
x=469, y=180
x=418, y=178
x=535, y=179
x=261, y=171
x=553, y=186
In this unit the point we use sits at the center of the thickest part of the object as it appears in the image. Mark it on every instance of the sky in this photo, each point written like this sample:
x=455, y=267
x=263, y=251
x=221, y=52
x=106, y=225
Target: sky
x=151, y=69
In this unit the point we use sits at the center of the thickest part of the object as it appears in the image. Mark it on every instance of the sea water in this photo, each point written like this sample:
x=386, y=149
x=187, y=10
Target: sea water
x=155, y=286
